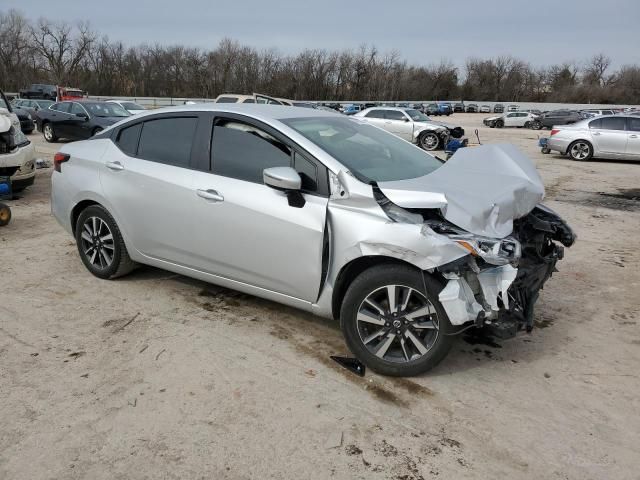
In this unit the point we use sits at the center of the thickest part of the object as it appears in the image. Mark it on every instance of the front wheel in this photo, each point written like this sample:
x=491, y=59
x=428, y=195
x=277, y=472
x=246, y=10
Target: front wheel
x=5, y=214
x=428, y=141
x=536, y=125
x=580, y=150
x=49, y=134
x=499, y=124
x=392, y=324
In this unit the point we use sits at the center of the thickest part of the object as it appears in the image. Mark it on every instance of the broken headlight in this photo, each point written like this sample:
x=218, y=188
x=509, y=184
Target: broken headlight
x=492, y=250
x=396, y=213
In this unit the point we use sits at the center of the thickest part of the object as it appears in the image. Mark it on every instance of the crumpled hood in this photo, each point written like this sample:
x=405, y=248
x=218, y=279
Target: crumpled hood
x=431, y=125
x=442, y=124
x=483, y=189
x=495, y=117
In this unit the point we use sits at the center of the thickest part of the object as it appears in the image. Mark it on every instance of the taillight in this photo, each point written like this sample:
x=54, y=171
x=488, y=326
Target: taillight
x=58, y=160
x=554, y=131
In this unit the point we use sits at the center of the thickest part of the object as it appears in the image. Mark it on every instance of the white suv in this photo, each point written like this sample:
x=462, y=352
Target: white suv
x=16, y=151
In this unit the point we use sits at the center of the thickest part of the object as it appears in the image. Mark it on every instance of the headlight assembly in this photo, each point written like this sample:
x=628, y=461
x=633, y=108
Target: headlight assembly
x=492, y=250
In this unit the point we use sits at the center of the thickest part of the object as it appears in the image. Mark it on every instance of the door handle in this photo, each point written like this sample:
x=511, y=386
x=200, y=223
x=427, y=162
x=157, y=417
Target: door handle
x=210, y=195
x=596, y=133
x=633, y=136
x=388, y=122
x=114, y=166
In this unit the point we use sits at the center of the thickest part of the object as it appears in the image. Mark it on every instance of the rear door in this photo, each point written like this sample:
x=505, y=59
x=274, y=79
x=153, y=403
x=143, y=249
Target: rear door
x=374, y=117
x=247, y=231
x=76, y=126
x=510, y=120
x=609, y=134
x=633, y=137
x=148, y=178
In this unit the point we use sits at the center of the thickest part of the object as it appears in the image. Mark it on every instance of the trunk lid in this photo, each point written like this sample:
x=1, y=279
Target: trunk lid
x=485, y=189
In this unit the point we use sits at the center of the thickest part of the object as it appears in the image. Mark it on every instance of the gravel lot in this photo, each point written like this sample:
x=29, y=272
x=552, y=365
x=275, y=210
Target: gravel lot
x=159, y=376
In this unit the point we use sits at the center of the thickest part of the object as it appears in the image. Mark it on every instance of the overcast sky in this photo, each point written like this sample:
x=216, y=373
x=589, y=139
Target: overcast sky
x=423, y=31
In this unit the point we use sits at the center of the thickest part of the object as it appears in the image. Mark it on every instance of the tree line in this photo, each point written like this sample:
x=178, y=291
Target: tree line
x=44, y=51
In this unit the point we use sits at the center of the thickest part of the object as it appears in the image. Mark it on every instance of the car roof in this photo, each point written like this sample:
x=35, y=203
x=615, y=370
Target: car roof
x=256, y=110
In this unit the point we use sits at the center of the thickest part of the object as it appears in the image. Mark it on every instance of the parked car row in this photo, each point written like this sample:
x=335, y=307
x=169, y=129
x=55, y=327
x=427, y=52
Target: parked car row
x=17, y=154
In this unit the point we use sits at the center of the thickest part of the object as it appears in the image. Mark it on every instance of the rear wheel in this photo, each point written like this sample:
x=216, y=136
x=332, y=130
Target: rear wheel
x=428, y=141
x=392, y=324
x=536, y=125
x=100, y=244
x=48, y=132
x=580, y=150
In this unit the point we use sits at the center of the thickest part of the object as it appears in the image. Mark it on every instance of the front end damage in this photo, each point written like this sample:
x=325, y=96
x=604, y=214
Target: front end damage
x=489, y=207
x=500, y=290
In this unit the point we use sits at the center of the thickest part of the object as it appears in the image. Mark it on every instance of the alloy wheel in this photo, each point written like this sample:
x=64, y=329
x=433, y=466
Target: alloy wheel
x=397, y=323
x=97, y=243
x=48, y=132
x=429, y=141
x=580, y=150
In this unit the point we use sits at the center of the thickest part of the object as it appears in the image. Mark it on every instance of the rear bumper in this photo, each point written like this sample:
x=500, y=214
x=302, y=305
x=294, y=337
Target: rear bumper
x=23, y=182
x=556, y=144
x=27, y=125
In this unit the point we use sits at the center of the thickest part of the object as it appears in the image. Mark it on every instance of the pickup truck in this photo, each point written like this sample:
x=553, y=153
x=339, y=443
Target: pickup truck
x=40, y=90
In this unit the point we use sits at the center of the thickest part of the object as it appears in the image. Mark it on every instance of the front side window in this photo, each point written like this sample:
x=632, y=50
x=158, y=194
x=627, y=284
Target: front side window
x=242, y=151
x=76, y=109
x=633, y=124
x=227, y=100
x=308, y=172
x=61, y=107
x=168, y=140
x=612, y=123
x=368, y=152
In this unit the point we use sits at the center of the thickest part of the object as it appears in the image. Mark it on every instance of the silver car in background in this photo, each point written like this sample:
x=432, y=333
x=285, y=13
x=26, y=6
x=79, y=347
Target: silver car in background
x=321, y=212
x=611, y=136
x=412, y=125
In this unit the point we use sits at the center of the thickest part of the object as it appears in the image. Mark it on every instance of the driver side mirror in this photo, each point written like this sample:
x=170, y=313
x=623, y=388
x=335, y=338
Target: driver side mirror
x=82, y=115
x=405, y=119
x=287, y=180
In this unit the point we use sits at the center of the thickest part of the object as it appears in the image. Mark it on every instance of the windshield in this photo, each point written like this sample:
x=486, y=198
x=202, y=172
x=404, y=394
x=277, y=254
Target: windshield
x=131, y=106
x=370, y=153
x=417, y=116
x=106, y=110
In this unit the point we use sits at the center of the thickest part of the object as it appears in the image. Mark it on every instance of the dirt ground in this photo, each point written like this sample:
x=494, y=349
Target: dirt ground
x=157, y=376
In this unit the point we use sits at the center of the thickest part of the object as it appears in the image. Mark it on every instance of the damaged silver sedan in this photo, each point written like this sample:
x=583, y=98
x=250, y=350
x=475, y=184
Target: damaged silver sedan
x=320, y=212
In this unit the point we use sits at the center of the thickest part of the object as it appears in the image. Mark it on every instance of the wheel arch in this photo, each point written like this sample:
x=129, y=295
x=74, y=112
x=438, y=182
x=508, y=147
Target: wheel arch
x=77, y=210
x=355, y=267
x=593, y=151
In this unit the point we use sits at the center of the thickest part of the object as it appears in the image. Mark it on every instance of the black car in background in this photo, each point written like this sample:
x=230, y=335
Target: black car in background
x=472, y=108
x=78, y=120
x=27, y=123
x=498, y=108
x=40, y=90
x=557, y=117
x=31, y=106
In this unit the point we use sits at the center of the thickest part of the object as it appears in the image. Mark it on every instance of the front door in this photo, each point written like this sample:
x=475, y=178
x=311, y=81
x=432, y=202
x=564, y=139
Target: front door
x=399, y=124
x=247, y=231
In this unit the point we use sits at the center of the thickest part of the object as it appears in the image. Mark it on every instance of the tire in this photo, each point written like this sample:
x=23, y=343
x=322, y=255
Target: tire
x=49, y=133
x=492, y=125
x=428, y=141
x=527, y=124
x=499, y=123
x=104, y=257
x=28, y=132
x=546, y=151
x=536, y=125
x=401, y=356
x=580, y=150
x=5, y=214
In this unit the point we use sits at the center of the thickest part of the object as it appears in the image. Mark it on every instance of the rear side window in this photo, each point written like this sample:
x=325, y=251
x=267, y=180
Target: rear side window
x=227, y=100
x=128, y=139
x=168, y=140
x=249, y=100
x=394, y=115
x=375, y=114
x=242, y=151
x=612, y=123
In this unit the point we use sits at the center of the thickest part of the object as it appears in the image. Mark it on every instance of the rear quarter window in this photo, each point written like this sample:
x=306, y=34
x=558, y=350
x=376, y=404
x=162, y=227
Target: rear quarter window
x=127, y=139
